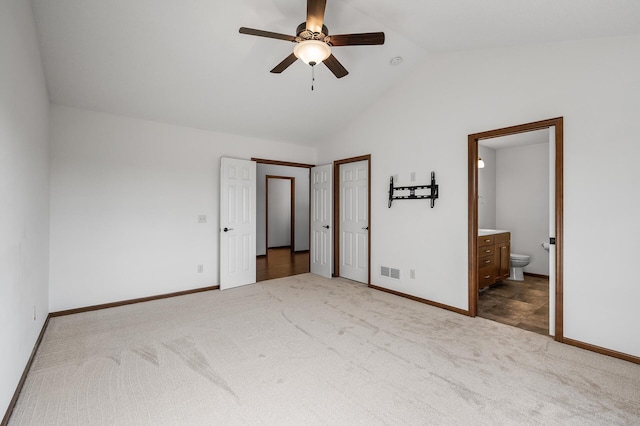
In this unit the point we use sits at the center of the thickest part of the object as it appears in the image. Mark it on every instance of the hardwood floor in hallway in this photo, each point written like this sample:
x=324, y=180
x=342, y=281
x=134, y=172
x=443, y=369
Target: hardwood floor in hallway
x=522, y=304
x=280, y=262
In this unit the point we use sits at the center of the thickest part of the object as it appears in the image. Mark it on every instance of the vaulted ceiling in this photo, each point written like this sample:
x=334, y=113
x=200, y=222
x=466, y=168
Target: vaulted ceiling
x=184, y=62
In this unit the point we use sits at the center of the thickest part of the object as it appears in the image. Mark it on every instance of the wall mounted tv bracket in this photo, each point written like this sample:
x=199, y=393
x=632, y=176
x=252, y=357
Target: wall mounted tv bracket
x=412, y=191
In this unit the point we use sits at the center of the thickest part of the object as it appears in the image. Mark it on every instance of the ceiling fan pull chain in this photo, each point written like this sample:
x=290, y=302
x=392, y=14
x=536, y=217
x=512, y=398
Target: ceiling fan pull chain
x=313, y=76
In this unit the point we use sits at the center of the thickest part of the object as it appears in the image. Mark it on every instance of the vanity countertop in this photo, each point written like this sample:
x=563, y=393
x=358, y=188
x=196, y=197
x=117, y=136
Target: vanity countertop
x=483, y=232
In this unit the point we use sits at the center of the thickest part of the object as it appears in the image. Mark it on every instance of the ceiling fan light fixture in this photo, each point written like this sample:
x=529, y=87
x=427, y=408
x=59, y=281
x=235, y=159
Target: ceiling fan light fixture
x=312, y=52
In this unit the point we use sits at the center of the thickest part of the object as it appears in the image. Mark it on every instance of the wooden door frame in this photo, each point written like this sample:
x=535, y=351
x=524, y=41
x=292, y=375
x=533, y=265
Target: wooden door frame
x=473, y=210
x=336, y=212
x=292, y=181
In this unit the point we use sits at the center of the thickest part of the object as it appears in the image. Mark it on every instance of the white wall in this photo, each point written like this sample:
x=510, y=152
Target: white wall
x=279, y=213
x=522, y=205
x=24, y=193
x=487, y=189
x=301, y=174
x=422, y=124
x=125, y=200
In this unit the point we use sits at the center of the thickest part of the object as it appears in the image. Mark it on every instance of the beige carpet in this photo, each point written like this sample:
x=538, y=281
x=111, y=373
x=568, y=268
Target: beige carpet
x=305, y=350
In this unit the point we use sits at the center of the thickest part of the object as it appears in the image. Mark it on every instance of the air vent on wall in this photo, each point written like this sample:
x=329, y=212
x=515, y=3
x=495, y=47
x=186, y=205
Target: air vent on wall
x=385, y=271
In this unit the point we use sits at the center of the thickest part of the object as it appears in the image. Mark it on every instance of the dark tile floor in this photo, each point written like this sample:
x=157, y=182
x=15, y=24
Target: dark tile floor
x=522, y=304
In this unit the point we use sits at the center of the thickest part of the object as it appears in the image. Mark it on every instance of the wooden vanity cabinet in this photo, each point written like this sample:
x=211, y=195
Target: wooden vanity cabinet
x=486, y=260
x=503, y=254
x=493, y=258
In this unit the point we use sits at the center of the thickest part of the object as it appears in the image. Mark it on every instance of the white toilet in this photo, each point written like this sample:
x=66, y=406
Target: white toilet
x=518, y=262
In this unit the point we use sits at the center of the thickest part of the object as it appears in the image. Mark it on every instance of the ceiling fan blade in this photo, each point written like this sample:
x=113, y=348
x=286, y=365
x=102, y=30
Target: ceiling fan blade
x=284, y=64
x=357, y=39
x=268, y=34
x=335, y=66
x=315, y=15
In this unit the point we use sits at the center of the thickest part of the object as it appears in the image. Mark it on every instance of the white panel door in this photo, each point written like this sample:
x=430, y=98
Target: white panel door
x=354, y=221
x=321, y=219
x=237, y=222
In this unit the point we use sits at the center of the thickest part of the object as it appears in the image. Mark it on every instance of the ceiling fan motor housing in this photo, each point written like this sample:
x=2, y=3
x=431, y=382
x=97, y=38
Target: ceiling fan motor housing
x=304, y=34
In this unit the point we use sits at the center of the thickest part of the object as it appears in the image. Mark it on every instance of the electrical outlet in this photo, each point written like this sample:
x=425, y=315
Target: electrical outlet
x=200, y=269
x=413, y=176
x=412, y=273
x=202, y=218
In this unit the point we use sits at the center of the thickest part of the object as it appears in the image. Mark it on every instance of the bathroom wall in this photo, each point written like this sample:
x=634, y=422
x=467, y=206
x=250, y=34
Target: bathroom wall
x=522, y=201
x=487, y=188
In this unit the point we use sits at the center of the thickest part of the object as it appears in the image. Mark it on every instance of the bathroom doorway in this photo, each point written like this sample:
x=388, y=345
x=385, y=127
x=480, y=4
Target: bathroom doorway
x=513, y=195
x=526, y=153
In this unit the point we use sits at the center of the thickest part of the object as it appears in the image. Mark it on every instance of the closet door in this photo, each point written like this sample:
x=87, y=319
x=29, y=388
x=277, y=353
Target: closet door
x=321, y=223
x=354, y=221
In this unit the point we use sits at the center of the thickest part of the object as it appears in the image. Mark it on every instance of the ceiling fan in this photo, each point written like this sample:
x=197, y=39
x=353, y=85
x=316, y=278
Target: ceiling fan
x=313, y=42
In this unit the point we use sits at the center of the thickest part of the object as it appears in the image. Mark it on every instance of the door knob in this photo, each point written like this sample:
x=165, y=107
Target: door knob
x=366, y=228
x=227, y=229
x=325, y=226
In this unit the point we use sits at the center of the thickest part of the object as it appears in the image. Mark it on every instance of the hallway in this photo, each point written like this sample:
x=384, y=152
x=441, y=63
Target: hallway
x=280, y=262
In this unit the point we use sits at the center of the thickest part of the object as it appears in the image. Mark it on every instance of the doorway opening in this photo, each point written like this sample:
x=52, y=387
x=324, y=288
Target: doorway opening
x=352, y=207
x=280, y=198
x=534, y=284
x=513, y=195
x=288, y=251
